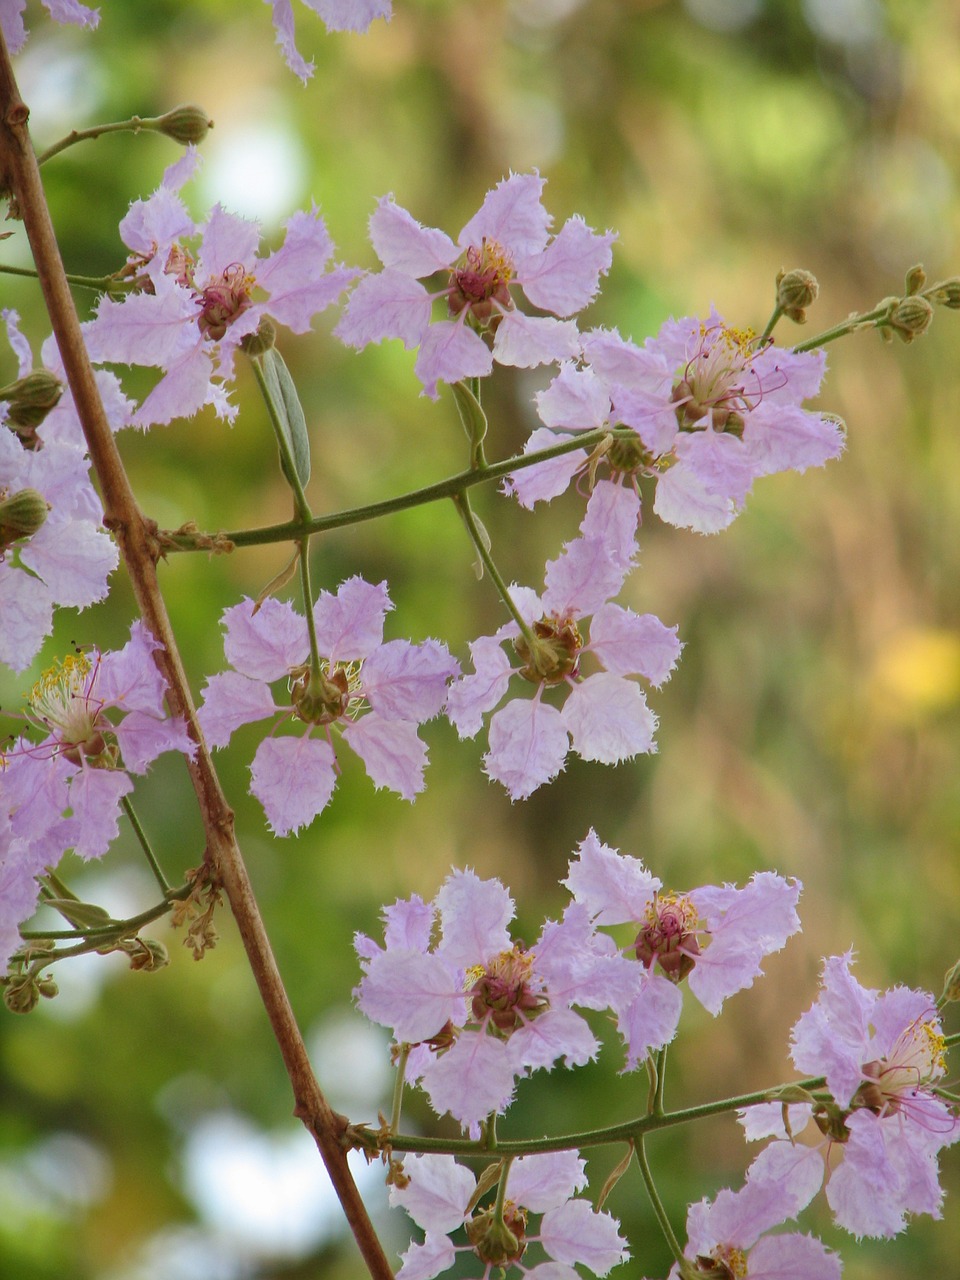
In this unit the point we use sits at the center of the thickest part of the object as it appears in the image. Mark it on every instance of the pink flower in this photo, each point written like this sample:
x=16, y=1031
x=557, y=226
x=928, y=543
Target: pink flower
x=20, y=863
x=192, y=312
x=70, y=11
x=67, y=560
x=710, y=410
x=506, y=243
x=373, y=695
x=438, y=1197
x=480, y=1008
x=730, y=1233
x=338, y=15
x=103, y=717
x=604, y=714
x=882, y=1054
x=713, y=937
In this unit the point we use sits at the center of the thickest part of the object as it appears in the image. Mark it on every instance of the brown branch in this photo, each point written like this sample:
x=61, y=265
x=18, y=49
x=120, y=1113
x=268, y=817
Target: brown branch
x=20, y=175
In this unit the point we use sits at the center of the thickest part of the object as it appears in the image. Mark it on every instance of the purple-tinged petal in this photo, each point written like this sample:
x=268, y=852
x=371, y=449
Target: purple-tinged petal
x=407, y=681
x=350, y=623
x=450, y=352
x=512, y=216
x=95, y=796
x=230, y=700
x=145, y=328
x=651, y=1020
x=616, y=889
x=763, y=913
x=264, y=643
x=576, y=398
x=350, y=15
x=143, y=737
x=528, y=745
x=527, y=341
x=474, y=915
x=26, y=617
x=554, y=1034
x=682, y=500
x=293, y=778
x=628, y=643
x=20, y=863
x=393, y=755
x=387, y=305
x=427, y=1260
x=788, y=1175
x=228, y=241
x=438, y=1193
x=894, y=1010
x=293, y=276
x=479, y=692
x=471, y=1079
x=793, y=1257
x=408, y=923
x=608, y=719
x=719, y=461
x=582, y=578
x=183, y=390
x=785, y=437
x=623, y=364
x=413, y=994
x=18, y=343
x=765, y=1120
x=547, y=1181
x=787, y=377
x=545, y=480
x=612, y=516
x=574, y=1232
x=284, y=31
x=403, y=244
x=565, y=277
x=74, y=559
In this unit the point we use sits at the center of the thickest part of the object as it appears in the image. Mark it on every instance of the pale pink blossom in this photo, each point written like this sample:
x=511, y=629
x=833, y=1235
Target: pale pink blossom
x=375, y=695
x=883, y=1054
x=715, y=938
x=507, y=243
x=604, y=715
x=63, y=11
x=103, y=718
x=194, y=308
x=481, y=1008
x=710, y=411
x=570, y=1233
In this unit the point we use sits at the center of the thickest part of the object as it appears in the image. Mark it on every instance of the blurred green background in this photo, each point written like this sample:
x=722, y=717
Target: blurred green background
x=811, y=727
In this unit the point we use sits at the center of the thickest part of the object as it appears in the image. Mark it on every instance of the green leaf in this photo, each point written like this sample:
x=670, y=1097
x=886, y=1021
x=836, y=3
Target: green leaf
x=289, y=414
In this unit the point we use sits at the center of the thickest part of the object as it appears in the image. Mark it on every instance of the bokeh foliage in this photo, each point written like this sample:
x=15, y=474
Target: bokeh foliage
x=812, y=726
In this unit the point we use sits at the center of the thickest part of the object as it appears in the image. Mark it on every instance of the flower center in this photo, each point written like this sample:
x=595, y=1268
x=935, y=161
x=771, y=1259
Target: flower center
x=668, y=936
x=916, y=1059
x=724, y=1263
x=498, y=1242
x=502, y=991
x=481, y=284
x=557, y=652
x=334, y=694
x=63, y=704
x=713, y=383
x=223, y=300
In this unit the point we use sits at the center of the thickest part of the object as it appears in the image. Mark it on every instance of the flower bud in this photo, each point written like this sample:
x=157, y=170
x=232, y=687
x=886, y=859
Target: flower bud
x=21, y=994
x=21, y=515
x=796, y=290
x=554, y=656
x=951, y=983
x=946, y=293
x=498, y=1242
x=30, y=400
x=911, y=317
x=149, y=955
x=255, y=344
x=916, y=278
x=185, y=124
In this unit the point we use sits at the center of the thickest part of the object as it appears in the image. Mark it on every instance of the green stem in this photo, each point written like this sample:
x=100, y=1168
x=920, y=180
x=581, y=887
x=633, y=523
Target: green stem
x=117, y=928
x=629, y=1130
x=101, y=283
x=307, y=590
x=658, y=1108
x=398, y=1084
x=133, y=125
x=771, y=325
x=858, y=320
x=452, y=487
x=470, y=520
x=657, y=1204
x=148, y=853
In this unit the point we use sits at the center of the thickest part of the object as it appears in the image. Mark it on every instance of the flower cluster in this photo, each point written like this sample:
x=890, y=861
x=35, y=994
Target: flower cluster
x=710, y=410
x=505, y=244
x=604, y=715
x=373, y=694
x=191, y=309
x=441, y=1197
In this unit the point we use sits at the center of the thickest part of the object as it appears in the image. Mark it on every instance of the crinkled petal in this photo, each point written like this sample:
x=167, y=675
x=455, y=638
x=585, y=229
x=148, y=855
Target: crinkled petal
x=556, y=1033
x=474, y=915
x=471, y=1079
x=403, y=244
x=95, y=796
x=616, y=889
x=608, y=719
x=544, y=481
x=450, y=352
x=387, y=305
x=565, y=277
x=576, y=398
x=682, y=500
x=437, y=1195
x=286, y=41
x=413, y=994
x=230, y=700
x=582, y=578
x=74, y=559
x=574, y=1232
x=293, y=778
x=144, y=737
x=651, y=1020
x=350, y=623
x=547, y=1181
x=393, y=754
x=512, y=215
x=264, y=643
x=480, y=691
x=407, y=681
x=784, y=437
x=527, y=341
x=612, y=515
x=350, y=15
x=628, y=643
x=793, y=1257
x=26, y=617
x=293, y=276
x=528, y=746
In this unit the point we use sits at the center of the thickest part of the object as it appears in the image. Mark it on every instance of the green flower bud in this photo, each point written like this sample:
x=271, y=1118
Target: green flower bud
x=796, y=290
x=911, y=317
x=21, y=515
x=185, y=124
x=31, y=399
x=148, y=955
x=916, y=278
x=946, y=293
x=21, y=994
x=255, y=344
x=951, y=983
